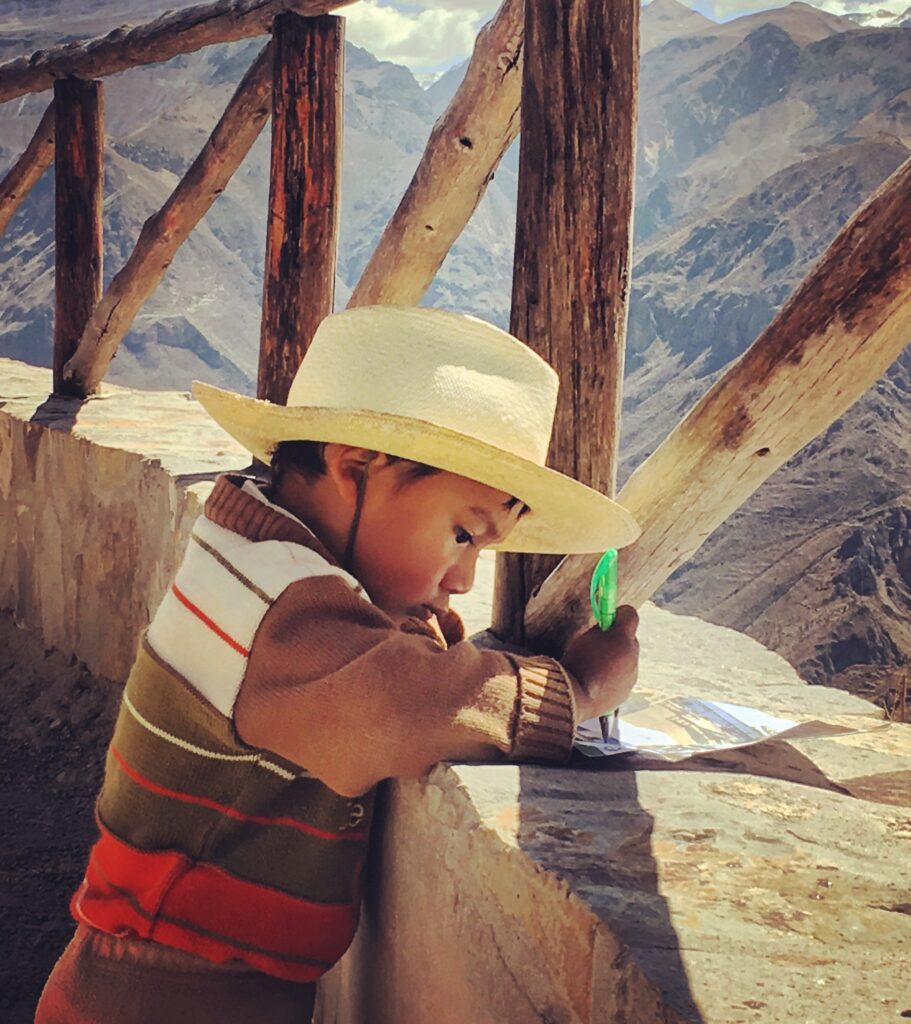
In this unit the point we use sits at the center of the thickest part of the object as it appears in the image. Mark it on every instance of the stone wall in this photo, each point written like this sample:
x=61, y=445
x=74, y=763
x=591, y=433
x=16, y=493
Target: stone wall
x=767, y=884
x=96, y=503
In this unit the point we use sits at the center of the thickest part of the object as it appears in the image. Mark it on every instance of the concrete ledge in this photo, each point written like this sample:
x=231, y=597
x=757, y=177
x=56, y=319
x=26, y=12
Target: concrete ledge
x=765, y=884
x=768, y=884
x=601, y=896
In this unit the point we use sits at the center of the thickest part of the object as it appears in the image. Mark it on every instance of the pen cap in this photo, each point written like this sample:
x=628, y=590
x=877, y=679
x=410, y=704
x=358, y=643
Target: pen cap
x=603, y=589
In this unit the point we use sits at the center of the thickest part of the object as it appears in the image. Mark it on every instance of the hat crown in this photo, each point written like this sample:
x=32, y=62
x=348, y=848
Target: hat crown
x=443, y=389
x=446, y=369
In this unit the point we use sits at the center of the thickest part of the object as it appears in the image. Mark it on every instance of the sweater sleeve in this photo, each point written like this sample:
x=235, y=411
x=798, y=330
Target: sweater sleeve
x=334, y=686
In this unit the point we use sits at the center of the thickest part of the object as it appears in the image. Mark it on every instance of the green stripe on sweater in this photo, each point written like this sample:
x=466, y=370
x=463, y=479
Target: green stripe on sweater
x=281, y=857
x=177, y=778
x=246, y=785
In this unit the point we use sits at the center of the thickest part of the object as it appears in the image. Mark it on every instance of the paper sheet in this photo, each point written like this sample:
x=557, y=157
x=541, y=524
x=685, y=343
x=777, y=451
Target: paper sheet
x=672, y=728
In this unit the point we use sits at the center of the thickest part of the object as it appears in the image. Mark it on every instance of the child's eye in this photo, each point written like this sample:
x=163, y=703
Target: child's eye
x=463, y=536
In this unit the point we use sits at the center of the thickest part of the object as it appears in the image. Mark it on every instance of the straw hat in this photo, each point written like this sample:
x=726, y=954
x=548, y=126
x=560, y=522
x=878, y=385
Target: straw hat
x=444, y=389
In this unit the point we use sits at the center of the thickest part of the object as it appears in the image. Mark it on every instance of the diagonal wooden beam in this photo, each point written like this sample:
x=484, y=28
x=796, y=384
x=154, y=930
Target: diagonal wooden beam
x=173, y=33
x=463, y=151
x=25, y=173
x=837, y=334
x=164, y=233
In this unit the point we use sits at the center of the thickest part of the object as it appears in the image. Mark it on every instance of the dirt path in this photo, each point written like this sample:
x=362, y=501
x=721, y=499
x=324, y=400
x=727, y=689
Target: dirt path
x=55, y=720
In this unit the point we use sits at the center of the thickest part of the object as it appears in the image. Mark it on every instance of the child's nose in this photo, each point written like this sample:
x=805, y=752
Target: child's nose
x=460, y=578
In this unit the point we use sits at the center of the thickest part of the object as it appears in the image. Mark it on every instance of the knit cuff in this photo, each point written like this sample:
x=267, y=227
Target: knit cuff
x=545, y=719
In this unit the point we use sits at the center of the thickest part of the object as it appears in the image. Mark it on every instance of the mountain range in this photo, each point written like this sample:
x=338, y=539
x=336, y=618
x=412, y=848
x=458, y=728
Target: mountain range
x=757, y=140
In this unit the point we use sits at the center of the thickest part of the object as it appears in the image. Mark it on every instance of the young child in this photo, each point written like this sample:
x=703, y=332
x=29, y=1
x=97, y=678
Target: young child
x=306, y=651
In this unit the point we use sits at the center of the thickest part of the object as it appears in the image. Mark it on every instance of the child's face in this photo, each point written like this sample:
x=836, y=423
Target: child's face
x=418, y=540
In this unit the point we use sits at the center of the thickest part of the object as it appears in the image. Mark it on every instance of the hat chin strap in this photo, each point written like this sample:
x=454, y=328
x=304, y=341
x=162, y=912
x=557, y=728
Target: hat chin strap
x=356, y=518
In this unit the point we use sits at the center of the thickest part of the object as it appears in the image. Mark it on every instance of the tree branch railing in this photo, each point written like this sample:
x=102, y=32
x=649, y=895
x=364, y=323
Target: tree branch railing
x=462, y=154
x=174, y=33
x=460, y=158
x=24, y=174
x=164, y=233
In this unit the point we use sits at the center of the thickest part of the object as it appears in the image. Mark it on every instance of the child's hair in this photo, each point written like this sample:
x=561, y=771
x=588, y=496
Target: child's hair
x=307, y=457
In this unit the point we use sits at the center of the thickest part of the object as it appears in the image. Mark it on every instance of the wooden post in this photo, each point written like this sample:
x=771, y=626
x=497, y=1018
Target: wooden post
x=302, y=230
x=839, y=332
x=24, y=175
x=164, y=233
x=79, y=176
x=573, y=238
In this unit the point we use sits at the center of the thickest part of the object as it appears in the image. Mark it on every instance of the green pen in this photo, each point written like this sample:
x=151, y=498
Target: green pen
x=603, y=593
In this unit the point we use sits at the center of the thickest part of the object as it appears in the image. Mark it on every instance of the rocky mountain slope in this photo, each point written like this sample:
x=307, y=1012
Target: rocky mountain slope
x=757, y=140
x=750, y=161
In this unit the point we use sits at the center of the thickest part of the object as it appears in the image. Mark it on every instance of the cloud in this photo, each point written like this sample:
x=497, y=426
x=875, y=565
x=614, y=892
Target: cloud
x=844, y=6
x=732, y=8
x=432, y=34
x=421, y=35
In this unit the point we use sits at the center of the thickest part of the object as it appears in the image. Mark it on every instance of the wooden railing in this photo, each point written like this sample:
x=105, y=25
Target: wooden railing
x=175, y=32
x=89, y=327
x=575, y=65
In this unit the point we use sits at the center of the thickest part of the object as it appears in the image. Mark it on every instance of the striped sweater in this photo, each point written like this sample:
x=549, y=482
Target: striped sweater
x=268, y=698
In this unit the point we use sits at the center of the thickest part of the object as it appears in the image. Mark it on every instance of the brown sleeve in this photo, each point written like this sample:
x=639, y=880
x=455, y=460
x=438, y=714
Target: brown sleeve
x=333, y=686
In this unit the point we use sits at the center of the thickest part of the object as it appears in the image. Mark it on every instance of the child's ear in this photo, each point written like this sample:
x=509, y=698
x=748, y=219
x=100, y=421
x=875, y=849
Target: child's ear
x=345, y=467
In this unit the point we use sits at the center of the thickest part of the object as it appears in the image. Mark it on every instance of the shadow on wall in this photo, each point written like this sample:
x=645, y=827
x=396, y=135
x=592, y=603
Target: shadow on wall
x=532, y=898
x=57, y=412
x=586, y=825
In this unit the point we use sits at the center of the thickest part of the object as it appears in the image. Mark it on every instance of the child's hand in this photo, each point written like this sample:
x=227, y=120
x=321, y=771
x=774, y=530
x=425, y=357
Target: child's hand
x=605, y=664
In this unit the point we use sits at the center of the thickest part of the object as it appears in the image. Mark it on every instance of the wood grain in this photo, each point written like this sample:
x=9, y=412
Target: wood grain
x=573, y=242
x=175, y=32
x=302, y=229
x=835, y=337
x=78, y=231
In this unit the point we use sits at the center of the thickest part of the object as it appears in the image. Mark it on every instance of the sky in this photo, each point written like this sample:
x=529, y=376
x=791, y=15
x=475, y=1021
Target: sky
x=426, y=36
x=432, y=35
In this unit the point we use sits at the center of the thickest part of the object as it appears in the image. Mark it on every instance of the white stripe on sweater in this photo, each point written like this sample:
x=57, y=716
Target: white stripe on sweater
x=194, y=649
x=201, y=657
x=211, y=754
x=271, y=564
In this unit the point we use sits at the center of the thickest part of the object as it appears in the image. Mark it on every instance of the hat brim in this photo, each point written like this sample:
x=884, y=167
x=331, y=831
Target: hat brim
x=565, y=516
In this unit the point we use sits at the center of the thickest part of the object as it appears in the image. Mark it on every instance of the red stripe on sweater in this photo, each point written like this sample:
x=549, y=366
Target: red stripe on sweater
x=166, y=897
x=233, y=812
x=201, y=615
